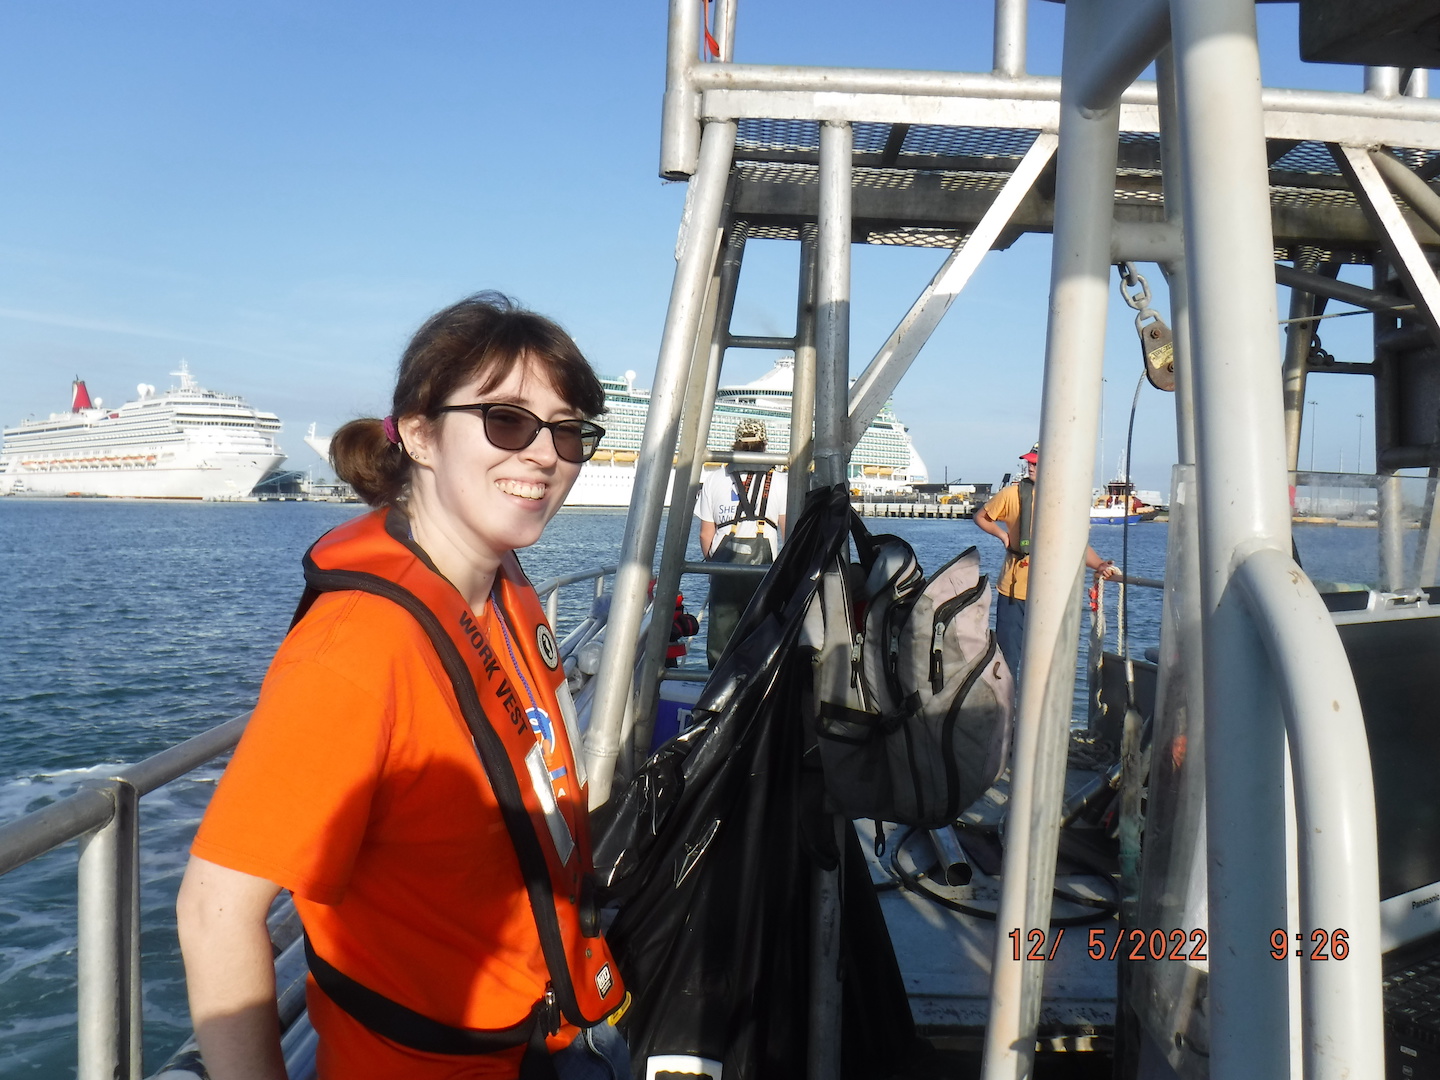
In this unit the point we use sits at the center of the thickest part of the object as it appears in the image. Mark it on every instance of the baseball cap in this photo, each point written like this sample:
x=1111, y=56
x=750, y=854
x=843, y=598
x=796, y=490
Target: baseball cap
x=1033, y=455
x=750, y=430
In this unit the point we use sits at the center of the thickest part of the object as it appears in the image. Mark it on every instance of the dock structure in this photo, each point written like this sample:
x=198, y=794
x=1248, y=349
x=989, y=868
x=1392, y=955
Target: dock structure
x=1230, y=188
x=956, y=511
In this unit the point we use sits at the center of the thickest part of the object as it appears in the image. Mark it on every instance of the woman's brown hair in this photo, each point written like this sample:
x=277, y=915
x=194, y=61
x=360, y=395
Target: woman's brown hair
x=484, y=335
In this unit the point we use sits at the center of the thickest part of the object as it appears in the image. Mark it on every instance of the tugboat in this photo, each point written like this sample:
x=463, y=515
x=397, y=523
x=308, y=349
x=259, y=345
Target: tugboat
x=1119, y=505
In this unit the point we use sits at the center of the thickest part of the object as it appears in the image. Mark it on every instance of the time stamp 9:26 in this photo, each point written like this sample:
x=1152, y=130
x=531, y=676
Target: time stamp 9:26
x=1105, y=943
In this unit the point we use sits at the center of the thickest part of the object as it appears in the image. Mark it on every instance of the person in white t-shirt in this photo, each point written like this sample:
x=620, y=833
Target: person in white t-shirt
x=736, y=507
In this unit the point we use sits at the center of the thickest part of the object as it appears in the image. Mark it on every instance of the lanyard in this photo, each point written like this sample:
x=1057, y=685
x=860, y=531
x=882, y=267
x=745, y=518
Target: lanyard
x=546, y=781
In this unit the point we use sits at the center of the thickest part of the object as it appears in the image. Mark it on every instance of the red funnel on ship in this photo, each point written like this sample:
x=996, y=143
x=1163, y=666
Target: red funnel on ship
x=81, y=398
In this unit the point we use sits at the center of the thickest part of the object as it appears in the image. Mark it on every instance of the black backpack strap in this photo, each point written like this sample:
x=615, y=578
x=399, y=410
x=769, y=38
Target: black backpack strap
x=865, y=546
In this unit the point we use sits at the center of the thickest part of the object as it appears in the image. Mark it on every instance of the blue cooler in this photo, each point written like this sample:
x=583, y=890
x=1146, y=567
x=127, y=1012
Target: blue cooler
x=673, y=711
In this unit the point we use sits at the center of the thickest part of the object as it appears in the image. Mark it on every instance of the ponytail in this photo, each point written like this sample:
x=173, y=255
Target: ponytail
x=364, y=458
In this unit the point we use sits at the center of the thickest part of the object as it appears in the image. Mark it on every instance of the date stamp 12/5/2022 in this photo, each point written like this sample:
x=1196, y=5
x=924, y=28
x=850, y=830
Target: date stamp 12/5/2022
x=1110, y=943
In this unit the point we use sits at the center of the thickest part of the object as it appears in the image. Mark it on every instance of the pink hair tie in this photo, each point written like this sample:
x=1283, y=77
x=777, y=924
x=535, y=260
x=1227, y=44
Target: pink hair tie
x=391, y=431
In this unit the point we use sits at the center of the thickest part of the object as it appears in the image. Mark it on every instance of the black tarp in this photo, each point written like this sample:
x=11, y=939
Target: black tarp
x=709, y=852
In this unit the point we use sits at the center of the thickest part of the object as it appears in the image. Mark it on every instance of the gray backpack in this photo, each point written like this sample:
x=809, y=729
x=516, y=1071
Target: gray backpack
x=912, y=698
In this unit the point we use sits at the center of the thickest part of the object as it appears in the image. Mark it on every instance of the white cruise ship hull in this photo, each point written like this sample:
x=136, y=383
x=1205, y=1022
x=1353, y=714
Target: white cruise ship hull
x=185, y=443
x=191, y=473
x=607, y=484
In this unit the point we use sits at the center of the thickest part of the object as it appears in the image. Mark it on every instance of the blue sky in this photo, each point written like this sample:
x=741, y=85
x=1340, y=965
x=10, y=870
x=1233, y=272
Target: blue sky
x=279, y=193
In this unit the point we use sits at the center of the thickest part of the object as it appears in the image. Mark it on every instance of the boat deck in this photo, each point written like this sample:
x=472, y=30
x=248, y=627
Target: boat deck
x=946, y=955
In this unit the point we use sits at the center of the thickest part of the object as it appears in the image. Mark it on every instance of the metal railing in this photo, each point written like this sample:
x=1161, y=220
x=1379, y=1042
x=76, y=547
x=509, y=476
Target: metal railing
x=1341, y=1019
x=549, y=589
x=105, y=816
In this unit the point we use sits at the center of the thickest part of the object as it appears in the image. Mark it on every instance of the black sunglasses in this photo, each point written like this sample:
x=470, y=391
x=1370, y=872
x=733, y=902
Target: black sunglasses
x=509, y=427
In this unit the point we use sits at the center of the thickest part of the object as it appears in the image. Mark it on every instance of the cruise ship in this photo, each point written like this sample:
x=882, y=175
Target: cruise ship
x=885, y=459
x=184, y=443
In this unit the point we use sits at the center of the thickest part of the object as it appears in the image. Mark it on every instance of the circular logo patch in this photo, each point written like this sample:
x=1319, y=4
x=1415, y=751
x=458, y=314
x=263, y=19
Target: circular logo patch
x=545, y=642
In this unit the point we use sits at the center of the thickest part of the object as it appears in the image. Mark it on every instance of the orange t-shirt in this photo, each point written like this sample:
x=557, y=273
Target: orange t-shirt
x=357, y=786
x=1004, y=507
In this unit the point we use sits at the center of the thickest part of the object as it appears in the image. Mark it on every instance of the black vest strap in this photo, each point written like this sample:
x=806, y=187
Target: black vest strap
x=416, y=1031
x=372, y=1009
x=1020, y=545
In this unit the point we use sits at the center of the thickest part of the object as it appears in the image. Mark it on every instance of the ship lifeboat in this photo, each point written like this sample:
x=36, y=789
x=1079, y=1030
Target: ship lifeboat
x=626, y=455
x=602, y=455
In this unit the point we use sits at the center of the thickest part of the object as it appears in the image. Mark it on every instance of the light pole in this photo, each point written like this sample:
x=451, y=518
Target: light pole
x=1359, y=438
x=1314, y=423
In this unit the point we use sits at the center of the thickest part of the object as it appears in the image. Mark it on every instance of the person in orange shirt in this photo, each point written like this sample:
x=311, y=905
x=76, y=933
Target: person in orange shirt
x=1009, y=517
x=411, y=771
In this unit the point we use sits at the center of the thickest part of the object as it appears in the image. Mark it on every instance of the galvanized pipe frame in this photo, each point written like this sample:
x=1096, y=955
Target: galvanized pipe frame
x=1295, y=368
x=1387, y=435
x=1244, y=515
x=108, y=998
x=758, y=341
x=1069, y=427
x=105, y=816
x=756, y=459
x=1343, y=1021
x=1395, y=236
x=832, y=304
x=1011, y=17
x=1333, y=289
x=1421, y=196
x=613, y=691
x=1305, y=121
x=699, y=407
x=1137, y=31
x=45, y=829
x=680, y=107
x=880, y=377
x=881, y=82
x=802, y=397
x=688, y=81
x=1181, y=648
x=549, y=590
x=832, y=454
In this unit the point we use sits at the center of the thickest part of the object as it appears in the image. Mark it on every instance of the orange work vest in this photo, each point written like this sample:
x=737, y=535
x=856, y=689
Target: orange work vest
x=525, y=738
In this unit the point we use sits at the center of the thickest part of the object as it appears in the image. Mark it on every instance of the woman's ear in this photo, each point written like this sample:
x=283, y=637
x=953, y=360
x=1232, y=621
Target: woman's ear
x=417, y=434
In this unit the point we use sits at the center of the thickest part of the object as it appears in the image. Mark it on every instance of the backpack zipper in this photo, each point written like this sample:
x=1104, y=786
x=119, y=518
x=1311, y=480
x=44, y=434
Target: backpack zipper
x=937, y=658
x=962, y=600
x=856, y=649
x=943, y=615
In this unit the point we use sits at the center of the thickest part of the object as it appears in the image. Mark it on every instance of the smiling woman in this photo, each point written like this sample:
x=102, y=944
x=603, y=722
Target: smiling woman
x=410, y=772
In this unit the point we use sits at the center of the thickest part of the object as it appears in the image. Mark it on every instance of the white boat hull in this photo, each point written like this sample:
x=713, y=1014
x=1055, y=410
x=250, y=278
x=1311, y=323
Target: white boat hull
x=188, y=474
x=1105, y=516
x=606, y=483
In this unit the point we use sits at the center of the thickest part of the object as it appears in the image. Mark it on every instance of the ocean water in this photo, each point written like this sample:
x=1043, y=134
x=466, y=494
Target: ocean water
x=130, y=626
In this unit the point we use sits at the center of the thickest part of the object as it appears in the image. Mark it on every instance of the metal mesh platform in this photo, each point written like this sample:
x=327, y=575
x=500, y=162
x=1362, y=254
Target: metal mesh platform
x=927, y=185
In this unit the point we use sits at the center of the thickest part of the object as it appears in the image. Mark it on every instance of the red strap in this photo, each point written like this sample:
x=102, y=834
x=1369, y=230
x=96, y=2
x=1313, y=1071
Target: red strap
x=711, y=45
